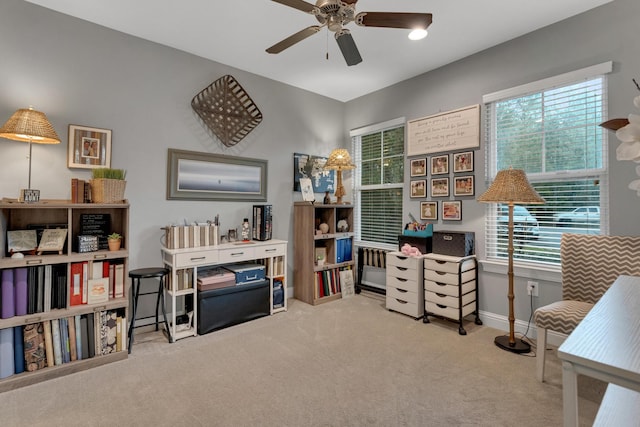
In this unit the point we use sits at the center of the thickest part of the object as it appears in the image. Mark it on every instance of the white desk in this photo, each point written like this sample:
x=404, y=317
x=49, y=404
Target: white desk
x=273, y=251
x=605, y=345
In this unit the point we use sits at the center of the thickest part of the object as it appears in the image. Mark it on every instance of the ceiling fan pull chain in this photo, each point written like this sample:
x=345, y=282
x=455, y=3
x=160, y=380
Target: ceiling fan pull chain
x=327, y=44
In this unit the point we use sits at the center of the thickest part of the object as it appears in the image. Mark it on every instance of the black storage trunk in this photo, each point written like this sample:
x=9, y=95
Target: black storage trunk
x=220, y=308
x=454, y=243
x=424, y=244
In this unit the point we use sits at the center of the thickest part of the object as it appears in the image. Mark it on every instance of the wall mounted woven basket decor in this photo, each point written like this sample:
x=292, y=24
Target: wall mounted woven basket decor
x=227, y=110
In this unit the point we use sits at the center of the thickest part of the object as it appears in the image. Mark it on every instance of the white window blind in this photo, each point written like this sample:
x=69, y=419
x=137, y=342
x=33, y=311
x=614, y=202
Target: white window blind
x=552, y=133
x=378, y=183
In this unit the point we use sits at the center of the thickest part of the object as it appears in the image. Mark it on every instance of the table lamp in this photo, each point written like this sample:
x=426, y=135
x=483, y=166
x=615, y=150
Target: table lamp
x=339, y=160
x=29, y=125
x=511, y=187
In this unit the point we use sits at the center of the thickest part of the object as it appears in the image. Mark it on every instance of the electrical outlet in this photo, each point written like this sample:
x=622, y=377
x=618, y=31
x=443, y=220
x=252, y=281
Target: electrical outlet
x=532, y=288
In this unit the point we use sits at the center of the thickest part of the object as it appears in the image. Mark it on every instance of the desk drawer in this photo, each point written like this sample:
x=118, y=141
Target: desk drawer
x=268, y=251
x=402, y=272
x=234, y=254
x=443, y=288
x=405, y=305
x=449, y=278
x=448, y=312
x=448, y=300
x=410, y=285
x=448, y=266
x=397, y=259
x=193, y=259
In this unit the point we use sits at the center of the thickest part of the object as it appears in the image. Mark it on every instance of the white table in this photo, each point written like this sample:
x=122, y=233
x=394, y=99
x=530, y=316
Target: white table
x=605, y=345
x=274, y=251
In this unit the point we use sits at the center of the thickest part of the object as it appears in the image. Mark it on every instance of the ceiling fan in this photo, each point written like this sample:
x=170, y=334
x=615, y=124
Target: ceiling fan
x=335, y=14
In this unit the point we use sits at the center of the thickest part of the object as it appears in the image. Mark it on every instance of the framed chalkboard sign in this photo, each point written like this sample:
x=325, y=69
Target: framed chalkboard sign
x=97, y=224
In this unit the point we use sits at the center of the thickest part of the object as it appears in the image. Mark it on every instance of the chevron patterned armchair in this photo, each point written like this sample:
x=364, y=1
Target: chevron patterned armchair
x=590, y=264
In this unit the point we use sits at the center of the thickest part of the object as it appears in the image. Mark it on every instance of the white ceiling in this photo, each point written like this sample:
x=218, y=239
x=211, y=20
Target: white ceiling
x=237, y=32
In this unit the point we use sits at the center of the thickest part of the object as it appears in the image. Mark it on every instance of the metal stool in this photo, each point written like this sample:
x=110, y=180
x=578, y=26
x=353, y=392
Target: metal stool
x=148, y=273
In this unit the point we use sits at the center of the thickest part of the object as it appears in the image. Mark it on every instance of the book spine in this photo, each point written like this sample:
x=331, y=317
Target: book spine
x=73, y=352
x=57, y=344
x=7, y=367
x=48, y=344
x=18, y=349
x=20, y=280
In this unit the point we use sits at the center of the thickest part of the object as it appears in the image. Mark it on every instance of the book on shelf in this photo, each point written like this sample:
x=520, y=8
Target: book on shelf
x=57, y=343
x=20, y=276
x=76, y=322
x=118, y=281
x=7, y=296
x=48, y=344
x=34, y=347
x=84, y=338
x=73, y=352
x=18, y=350
x=76, y=284
x=64, y=339
x=98, y=290
x=7, y=361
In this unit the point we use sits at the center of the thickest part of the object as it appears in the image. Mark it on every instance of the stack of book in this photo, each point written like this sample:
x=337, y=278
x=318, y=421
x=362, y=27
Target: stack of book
x=262, y=223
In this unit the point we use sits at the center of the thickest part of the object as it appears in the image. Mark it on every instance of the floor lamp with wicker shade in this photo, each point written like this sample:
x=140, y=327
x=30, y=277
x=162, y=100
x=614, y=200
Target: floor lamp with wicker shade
x=511, y=187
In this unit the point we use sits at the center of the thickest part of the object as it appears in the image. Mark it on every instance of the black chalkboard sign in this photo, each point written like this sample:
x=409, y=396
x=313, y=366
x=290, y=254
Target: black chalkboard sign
x=96, y=225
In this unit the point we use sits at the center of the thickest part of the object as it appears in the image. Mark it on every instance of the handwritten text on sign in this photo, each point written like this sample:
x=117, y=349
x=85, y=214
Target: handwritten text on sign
x=452, y=130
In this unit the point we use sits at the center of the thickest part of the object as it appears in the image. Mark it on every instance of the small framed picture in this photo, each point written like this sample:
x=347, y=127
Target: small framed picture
x=419, y=188
x=89, y=148
x=463, y=162
x=440, y=165
x=429, y=210
x=452, y=210
x=463, y=185
x=439, y=187
x=418, y=167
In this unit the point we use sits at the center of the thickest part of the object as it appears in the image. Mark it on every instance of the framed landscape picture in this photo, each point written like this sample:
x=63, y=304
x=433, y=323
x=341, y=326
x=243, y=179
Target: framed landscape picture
x=419, y=188
x=418, y=167
x=440, y=165
x=463, y=162
x=463, y=185
x=439, y=187
x=429, y=210
x=452, y=210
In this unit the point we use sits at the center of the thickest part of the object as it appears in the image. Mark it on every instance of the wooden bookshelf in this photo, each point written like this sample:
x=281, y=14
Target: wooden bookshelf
x=309, y=276
x=60, y=213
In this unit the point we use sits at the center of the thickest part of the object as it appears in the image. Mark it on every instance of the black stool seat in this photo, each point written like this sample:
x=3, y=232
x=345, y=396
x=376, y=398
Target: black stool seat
x=148, y=273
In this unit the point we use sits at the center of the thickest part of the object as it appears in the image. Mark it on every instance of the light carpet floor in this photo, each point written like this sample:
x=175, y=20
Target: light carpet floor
x=350, y=362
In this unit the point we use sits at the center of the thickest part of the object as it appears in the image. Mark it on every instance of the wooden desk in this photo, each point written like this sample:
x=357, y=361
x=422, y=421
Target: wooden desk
x=605, y=345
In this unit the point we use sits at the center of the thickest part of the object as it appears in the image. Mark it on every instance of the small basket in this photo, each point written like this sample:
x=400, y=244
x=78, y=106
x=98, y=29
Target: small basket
x=105, y=190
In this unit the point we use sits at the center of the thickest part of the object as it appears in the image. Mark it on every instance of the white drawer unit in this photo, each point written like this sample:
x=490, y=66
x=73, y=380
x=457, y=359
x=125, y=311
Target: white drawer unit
x=404, y=284
x=451, y=288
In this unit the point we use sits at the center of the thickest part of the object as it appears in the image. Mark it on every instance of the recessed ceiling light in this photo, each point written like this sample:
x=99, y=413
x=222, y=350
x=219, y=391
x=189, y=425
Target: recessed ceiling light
x=418, y=34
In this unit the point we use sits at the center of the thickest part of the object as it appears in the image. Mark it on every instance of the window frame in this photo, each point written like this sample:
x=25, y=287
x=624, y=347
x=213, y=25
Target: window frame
x=491, y=247
x=357, y=187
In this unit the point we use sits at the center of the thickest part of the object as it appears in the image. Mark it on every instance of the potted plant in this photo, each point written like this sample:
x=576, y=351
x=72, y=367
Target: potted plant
x=114, y=240
x=107, y=185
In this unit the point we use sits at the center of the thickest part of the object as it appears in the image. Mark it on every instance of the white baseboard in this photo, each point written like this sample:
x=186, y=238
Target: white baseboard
x=500, y=322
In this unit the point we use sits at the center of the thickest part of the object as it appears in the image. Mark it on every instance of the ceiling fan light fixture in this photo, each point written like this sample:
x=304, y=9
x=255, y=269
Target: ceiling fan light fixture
x=418, y=34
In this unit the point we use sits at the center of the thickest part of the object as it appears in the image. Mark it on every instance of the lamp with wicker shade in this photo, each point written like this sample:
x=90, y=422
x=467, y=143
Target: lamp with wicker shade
x=29, y=125
x=511, y=187
x=339, y=160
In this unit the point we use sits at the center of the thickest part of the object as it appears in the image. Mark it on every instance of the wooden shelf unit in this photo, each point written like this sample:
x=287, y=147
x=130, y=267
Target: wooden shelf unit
x=18, y=216
x=307, y=237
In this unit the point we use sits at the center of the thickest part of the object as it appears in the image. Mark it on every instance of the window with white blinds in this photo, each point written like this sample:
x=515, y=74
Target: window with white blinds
x=378, y=182
x=550, y=130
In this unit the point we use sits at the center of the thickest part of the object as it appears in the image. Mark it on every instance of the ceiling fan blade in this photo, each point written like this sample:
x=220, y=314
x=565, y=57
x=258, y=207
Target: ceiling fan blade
x=394, y=20
x=300, y=5
x=293, y=39
x=350, y=1
x=348, y=47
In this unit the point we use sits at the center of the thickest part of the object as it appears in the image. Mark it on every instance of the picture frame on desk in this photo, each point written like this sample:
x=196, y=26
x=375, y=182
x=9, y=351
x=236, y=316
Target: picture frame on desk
x=194, y=175
x=88, y=147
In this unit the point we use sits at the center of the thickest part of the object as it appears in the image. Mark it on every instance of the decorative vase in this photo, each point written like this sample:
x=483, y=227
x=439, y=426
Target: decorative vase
x=324, y=228
x=114, y=244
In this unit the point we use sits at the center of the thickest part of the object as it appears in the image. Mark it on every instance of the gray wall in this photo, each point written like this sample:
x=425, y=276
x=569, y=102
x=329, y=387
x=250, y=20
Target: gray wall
x=81, y=73
x=603, y=34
